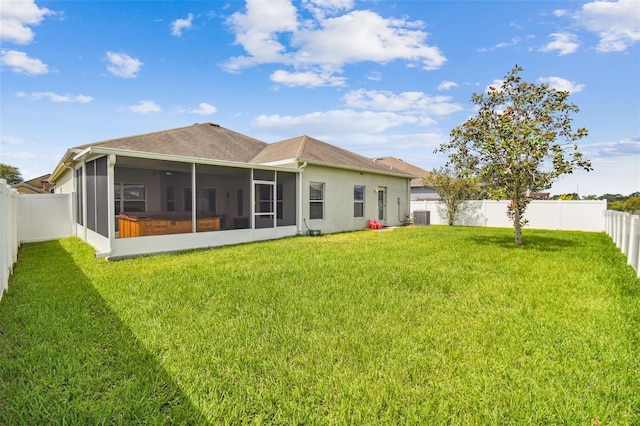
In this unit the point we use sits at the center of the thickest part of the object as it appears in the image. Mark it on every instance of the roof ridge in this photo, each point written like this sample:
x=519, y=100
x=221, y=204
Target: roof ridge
x=303, y=144
x=154, y=132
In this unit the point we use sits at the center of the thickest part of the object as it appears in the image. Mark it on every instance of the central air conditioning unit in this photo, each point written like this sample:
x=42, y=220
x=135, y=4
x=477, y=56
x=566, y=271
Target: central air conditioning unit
x=421, y=217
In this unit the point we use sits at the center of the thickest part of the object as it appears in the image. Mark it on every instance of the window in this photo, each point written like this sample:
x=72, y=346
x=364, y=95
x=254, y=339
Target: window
x=207, y=200
x=130, y=197
x=316, y=200
x=358, y=201
x=264, y=195
x=171, y=199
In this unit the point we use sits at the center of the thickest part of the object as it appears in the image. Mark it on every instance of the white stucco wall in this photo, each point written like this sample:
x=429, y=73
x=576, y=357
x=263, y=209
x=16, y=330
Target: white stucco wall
x=338, y=198
x=64, y=184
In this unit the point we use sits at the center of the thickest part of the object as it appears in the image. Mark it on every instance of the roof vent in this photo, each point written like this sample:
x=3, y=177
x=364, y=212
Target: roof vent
x=214, y=124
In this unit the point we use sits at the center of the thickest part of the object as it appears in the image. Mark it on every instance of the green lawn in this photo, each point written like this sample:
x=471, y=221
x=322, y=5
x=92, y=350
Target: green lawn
x=432, y=325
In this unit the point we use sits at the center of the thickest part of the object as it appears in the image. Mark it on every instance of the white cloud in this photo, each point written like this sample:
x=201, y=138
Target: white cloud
x=617, y=23
x=123, y=65
x=446, y=85
x=204, y=109
x=270, y=32
x=375, y=76
x=22, y=155
x=560, y=12
x=371, y=38
x=562, y=84
x=53, y=97
x=322, y=8
x=306, y=79
x=20, y=63
x=334, y=122
x=144, y=107
x=16, y=17
x=496, y=85
x=623, y=148
x=179, y=25
x=564, y=43
x=501, y=45
x=411, y=102
x=10, y=140
x=257, y=31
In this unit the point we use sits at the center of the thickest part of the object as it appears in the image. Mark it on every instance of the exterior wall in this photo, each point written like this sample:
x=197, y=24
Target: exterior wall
x=64, y=184
x=338, y=198
x=553, y=214
x=127, y=247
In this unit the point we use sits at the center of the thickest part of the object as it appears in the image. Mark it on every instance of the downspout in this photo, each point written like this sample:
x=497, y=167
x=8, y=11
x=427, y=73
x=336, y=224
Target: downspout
x=300, y=232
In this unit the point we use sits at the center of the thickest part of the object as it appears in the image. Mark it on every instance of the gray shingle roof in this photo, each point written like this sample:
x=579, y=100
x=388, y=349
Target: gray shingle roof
x=206, y=140
x=310, y=149
x=213, y=142
x=402, y=167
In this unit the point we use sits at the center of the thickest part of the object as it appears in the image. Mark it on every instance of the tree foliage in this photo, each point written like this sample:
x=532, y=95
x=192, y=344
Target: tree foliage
x=11, y=174
x=453, y=190
x=520, y=141
x=630, y=204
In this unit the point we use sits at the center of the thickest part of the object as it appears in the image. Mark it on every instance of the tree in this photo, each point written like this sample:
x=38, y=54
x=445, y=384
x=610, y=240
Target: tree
x=453, y=190
x=10, y=174
x=519, y=141
x=632, y=205
x=572, y=196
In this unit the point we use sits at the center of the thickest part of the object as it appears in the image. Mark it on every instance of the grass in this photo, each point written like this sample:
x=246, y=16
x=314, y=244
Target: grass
x=430, y=325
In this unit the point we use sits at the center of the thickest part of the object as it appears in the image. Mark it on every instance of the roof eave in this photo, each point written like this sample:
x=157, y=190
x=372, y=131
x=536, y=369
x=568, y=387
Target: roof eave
x=97, y=150
x=343, y=167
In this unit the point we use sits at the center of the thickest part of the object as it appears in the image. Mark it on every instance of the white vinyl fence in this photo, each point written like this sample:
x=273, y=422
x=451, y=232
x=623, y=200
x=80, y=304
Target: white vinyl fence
x=28, y=218
x=9, y=241
x=588, y=215
x=624, y=230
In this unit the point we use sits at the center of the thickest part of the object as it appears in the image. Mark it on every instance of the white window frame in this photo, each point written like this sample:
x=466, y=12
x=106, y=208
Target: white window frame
x=359, y=202
x=316, y=201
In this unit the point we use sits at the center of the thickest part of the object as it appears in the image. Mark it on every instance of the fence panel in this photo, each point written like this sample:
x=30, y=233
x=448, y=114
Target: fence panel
x=45, y=217
x=624, y=230
x=9, y=240
x=27, y=218
x=553, y=214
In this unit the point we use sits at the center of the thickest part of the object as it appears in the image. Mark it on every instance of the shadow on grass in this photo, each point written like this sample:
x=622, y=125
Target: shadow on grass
x=544, y=243
x=66, y=358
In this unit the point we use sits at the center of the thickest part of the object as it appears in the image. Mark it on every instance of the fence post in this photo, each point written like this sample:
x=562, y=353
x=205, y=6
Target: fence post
x=626, y=225
x=633, y=257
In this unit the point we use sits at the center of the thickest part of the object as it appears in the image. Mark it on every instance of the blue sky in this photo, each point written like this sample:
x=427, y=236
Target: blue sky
x=380, y=78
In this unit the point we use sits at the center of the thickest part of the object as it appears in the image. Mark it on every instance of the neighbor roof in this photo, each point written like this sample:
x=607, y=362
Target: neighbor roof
x=400, y=166
x=38, y=185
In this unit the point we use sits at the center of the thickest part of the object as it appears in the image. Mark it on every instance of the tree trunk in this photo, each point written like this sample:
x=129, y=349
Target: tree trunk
x=517, y=223
x=518, y=230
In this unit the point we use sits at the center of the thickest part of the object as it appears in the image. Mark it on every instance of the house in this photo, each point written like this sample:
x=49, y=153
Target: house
x=205, y=185
x=419, y=192
x=39, y=185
